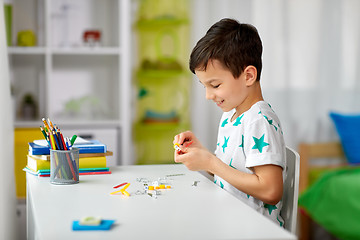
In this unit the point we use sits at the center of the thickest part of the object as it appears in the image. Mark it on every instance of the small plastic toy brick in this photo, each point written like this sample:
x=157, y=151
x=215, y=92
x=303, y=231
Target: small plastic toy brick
x=124, y=192
x=138, y=192
x=177, y=147
x=115, y=192
x=168, y=187
x=126, y=186
x=120, y=185
x=195, y=183
x=90, y=221
x=162, y=186
x=151, y=188
x=143, y=180
x=152, y=195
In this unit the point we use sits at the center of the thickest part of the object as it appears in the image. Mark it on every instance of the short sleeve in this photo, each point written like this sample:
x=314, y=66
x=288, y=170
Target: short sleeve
x=264, y=144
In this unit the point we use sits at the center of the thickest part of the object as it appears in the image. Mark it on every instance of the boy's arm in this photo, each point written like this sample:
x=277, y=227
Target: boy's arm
x=265, y=184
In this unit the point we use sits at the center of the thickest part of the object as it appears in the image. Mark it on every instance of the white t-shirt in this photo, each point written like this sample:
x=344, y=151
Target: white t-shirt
x=253, y=139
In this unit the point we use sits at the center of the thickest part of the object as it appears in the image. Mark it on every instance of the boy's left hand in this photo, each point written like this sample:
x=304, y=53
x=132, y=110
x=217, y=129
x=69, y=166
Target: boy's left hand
x=194, y=158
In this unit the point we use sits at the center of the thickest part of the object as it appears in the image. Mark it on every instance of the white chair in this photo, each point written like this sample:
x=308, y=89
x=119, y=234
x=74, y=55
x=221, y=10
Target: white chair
x=291, y=190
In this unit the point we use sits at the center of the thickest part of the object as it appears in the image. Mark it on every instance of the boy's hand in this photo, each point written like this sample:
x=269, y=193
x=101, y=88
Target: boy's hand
x=185, y=138
x=191, y=153
x=194, y=158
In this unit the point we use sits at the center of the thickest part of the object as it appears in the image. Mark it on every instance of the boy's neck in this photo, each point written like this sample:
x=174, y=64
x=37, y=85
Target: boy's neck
x=254, y=96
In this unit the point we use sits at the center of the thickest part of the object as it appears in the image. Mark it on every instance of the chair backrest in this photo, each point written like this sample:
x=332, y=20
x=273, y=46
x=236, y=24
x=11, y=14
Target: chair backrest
x=291, y=190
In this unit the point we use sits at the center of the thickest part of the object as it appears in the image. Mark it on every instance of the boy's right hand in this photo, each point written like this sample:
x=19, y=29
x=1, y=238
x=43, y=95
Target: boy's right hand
x=186, y=137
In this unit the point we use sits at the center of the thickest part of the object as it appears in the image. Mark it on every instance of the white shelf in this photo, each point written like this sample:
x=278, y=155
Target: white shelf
x=76, y=87
x=71, y=124
x=26, y=50
x=65, y=51
x=87, y=51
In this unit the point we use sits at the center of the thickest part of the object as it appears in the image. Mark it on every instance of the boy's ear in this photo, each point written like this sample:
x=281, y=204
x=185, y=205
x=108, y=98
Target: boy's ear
x=250, y=75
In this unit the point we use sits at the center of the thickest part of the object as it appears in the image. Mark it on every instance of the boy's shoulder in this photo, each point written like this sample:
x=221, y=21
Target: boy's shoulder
x=260, y=110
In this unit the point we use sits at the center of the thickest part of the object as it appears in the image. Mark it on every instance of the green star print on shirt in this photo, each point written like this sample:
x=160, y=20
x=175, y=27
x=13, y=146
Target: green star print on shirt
x=270, y=122
x=230, y=164
x=238, y=119
x=242, y=141
x=224, y=123
x=270, y=207
x=225, y=143
x=259, y=143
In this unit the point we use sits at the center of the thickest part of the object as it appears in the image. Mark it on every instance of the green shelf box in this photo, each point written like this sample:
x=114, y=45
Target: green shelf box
x=163, y=9
x=163, y=44
x=165, y=93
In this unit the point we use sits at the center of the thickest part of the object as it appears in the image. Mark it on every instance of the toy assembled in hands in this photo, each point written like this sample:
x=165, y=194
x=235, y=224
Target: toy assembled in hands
x=249, y=160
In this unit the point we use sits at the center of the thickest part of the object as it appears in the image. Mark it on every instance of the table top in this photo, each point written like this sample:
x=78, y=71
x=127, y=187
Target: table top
x=204, y=211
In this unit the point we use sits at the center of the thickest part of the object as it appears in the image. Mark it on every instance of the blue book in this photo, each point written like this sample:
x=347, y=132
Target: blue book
x=91, y=146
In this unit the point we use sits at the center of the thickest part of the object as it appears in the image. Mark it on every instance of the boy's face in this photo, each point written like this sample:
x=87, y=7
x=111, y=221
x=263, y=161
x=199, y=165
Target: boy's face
x=221, y=86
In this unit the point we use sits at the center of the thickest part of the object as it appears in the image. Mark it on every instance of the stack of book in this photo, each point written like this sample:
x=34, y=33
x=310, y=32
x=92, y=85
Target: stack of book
x=92, y=157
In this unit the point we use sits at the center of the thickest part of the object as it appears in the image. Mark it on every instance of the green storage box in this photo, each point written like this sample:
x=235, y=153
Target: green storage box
x=160, y=9
x=163, y=95
x=163, y=44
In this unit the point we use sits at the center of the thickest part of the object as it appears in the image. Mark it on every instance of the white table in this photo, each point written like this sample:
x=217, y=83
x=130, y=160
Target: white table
x=185, y=211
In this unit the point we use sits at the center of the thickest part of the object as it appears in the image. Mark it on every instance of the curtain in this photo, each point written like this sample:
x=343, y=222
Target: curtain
x=7, y=182
x=311, y=61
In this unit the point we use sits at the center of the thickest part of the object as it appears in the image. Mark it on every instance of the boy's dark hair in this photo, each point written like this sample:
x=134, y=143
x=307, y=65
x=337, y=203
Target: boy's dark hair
x=234, y=44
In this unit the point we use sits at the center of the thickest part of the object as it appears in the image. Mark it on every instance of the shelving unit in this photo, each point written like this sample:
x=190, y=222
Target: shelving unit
x=162, y=81
x=85, y=90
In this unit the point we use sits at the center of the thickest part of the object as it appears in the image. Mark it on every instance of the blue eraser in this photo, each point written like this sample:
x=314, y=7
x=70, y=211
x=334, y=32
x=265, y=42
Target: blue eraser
x=104, y=226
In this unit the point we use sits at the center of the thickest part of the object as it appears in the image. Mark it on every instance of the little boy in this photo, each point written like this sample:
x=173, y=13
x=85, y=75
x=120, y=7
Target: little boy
x=249, y=160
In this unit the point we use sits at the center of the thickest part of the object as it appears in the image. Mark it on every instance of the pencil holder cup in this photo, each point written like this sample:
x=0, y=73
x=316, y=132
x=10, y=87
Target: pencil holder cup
x=64, y=166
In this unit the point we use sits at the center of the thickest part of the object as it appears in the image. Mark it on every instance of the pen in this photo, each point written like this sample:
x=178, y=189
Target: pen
x=67, y=140
x=72, y=141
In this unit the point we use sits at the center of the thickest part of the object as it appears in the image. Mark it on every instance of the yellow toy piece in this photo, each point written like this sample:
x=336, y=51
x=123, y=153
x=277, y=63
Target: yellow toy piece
x=124, y=192
x=177, y=147
x=126, y=186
